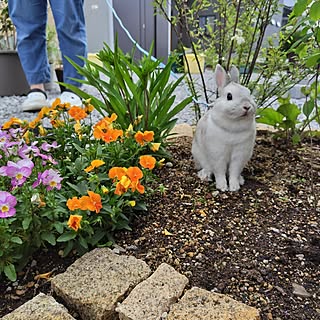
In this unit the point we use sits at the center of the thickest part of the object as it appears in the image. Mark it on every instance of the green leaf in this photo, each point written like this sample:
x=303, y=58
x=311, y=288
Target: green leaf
x=308, y=108
x=26, y=222
x=106, y=245
x=83, y=242
x=313, y=60
x=81, y=150
x=270, y=116
x=315, y=11
x=81, y=188
x=296, y=138
x=10, y=272
x=290, y=111
x=67, y=236
x=58, y=226
x=300, y=7
x=16, y=240
x=317, y=33
x=49, y=237
x=141, y=206
x=68, y=248
x=98, y=235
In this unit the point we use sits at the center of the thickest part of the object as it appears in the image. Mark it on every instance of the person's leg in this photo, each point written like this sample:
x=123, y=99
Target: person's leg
x=30, y=18
x=70, y=24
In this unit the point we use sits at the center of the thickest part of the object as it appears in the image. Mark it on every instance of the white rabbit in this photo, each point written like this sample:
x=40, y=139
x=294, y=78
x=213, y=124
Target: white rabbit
x=225, y=136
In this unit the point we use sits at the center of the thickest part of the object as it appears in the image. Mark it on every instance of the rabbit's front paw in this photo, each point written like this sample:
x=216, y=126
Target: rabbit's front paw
x=234, y=184
x=204, y=175
x=222, y=187
x=221, y=183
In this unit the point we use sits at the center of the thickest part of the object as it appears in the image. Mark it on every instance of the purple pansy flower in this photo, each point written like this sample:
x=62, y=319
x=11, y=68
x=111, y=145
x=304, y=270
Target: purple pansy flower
x=19, y=171
x=49, y=178
x=47, y=146
x=25, y=150
x=4, y=137
x=7, y=204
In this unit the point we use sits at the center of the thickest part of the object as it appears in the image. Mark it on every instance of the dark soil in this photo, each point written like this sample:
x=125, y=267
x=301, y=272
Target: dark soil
x=254, y=245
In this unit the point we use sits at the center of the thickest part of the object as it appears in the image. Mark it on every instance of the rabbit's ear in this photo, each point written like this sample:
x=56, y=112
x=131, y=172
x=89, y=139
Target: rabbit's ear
x=221, y=77
x=234, y=74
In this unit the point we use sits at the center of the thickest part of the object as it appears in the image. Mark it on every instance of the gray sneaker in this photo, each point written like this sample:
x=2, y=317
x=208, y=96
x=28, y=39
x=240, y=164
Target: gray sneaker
x=36, y=100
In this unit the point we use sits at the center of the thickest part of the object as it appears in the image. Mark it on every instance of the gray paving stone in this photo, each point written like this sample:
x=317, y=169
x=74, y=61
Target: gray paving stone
x=39, y=308
x=152, y=297
x=200, y=304
x=97, y=281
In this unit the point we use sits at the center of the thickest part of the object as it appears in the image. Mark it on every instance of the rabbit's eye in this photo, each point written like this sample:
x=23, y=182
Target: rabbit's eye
x=229, y=96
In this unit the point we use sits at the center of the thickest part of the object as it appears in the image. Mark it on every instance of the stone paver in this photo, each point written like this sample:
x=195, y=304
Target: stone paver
x=152, y=297
x=97, y=281
x=182, y=130
x=95, y=284
x=39, y=308
x=200, y=304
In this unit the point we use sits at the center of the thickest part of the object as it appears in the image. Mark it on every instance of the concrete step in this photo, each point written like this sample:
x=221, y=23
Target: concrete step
x=103, y=285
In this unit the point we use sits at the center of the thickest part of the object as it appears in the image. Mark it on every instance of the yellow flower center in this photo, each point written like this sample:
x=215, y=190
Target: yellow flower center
x=5, y=208
x=125, y=182
x=19, y=176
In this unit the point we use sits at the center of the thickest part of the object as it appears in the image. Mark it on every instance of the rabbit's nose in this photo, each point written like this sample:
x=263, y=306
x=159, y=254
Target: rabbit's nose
x=246, y=108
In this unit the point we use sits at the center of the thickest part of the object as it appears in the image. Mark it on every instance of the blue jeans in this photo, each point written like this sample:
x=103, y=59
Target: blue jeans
x=30, y=20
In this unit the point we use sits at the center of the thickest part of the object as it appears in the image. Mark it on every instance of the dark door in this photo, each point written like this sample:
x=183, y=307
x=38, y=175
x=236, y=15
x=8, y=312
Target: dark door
x=144, y=26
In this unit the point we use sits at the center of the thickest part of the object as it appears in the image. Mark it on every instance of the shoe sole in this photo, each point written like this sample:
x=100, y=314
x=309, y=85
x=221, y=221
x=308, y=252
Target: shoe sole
x=36, y=105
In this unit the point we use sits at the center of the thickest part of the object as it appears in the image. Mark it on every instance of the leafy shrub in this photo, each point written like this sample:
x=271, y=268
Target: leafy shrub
x=101, y=172
x=302, y=39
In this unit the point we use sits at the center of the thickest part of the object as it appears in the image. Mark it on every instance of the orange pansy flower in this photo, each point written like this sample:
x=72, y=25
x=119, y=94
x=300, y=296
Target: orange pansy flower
x=57, y=123
x=134, y=173
x=56, y=103
x=12, y=122
x=112, y=135
x=120, y=189
x=117, y=172
x=111, y=119
x=74, y=222
x=94, y=164
x=34, y=122
x=143, y=137
x=137, y=186
x=148, y=136
x=85, y=203
x=95, y=200
x=98, y=132
x=147, y=162
x=77, y=113
x=73, y=204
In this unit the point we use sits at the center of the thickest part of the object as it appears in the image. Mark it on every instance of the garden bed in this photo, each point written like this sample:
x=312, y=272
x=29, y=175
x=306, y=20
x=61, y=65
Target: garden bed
x=255, y=245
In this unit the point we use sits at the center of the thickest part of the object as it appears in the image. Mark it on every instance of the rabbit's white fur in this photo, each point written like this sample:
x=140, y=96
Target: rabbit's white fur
x=225, y=136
